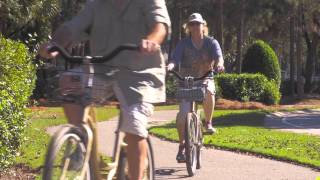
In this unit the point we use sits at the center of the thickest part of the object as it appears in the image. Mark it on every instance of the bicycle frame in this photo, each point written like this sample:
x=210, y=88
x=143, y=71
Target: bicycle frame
x=193, y=128
x=193, y=105
x=90, y=126
x=89, y=123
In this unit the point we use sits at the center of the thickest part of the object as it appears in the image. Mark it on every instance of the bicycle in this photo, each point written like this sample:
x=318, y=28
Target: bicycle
x=193, y=126
x=83, y=138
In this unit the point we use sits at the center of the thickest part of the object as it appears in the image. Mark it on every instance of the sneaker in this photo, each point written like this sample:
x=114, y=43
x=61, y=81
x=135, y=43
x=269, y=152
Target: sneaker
x=181, y=157
x=210, y=129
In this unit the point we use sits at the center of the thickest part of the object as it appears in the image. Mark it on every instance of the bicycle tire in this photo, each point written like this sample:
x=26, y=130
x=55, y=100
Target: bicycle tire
x=67, y=134
x=200, y=142
x=122, y=170
x=191, y=143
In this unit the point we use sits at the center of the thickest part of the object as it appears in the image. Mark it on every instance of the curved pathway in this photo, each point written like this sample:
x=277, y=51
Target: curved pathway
x=217, y=164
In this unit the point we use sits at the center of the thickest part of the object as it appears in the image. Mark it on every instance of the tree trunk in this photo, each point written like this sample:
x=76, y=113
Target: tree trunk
x=240, y=38
x=175, y=28
x=292, y=60
x=220, y=23
x=300, y=78
x=311, y=62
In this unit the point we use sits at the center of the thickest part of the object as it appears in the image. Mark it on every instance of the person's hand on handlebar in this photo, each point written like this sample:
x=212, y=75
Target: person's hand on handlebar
x=219, y=68
x=44, y=51
x=149, y=47
x=170, y=66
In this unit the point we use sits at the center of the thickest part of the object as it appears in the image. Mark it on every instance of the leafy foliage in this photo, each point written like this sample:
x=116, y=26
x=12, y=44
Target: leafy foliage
x=17, y=77
x=248, y=87
x=260, y=58
x=171, y=86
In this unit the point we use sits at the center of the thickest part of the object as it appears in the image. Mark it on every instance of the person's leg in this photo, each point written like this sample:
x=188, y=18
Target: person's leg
x=74, y=113
x=134, y=124
x=137, y=148
x=209, y=104
x=70, y=87
x=208, y=107
x=134, y=119
x=180, y=123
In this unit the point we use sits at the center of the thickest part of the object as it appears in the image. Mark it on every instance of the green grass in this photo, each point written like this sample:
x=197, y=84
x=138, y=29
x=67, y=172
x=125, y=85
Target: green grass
x=33, y=149
x=169, y=107
x=242, y=130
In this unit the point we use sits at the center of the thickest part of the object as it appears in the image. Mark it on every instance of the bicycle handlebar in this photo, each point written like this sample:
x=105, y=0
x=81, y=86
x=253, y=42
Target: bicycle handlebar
x=93, y=59
x=195, y=79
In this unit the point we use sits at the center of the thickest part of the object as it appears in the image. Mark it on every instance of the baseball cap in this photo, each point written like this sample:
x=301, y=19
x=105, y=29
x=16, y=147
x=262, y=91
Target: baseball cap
x=196, y=17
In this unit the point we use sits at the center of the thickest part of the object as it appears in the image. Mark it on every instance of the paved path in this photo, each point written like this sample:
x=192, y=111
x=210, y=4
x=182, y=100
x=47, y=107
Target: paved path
x=217, y=164
x=303, y=121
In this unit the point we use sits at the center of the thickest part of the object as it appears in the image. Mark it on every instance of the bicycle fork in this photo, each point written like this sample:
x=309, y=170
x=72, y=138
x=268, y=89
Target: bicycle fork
x=118, y=145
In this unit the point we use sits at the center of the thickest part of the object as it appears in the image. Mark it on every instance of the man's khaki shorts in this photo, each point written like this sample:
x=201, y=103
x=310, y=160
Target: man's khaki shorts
x=134, y=117
x=74, y=85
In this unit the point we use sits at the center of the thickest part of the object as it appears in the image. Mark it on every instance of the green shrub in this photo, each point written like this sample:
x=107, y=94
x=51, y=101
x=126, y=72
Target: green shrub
x=247, y=87
x=271, y=93
x=261, y=58
x=171, y=86
x=17, y=77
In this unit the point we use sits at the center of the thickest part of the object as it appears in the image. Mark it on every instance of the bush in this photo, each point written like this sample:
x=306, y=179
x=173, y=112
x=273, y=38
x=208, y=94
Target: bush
x=17, y=77
x=271, y=93
x=248, y=87
x=171, y=86
x=261, y=58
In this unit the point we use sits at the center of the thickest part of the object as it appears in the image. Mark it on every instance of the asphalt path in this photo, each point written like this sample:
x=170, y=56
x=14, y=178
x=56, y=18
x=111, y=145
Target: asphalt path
x=219, y=164
x=303, y=121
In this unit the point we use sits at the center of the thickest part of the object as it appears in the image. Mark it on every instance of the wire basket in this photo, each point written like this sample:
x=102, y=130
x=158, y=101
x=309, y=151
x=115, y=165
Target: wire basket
x=74, y=85
x=191, y=94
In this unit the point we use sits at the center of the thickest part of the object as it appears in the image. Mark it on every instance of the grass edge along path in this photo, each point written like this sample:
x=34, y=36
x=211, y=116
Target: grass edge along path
x=242, y=131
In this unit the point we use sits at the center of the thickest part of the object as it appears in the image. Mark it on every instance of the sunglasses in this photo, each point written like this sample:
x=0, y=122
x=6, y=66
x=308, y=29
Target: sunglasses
x=194, y=24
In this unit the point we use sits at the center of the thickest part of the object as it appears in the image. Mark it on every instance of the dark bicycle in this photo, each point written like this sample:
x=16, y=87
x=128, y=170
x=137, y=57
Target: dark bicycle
x=192, y=94
x=84, y=137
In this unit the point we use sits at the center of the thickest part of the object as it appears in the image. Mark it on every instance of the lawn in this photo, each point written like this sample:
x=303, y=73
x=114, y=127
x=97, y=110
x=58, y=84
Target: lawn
x=243, y=131
x=33, y=150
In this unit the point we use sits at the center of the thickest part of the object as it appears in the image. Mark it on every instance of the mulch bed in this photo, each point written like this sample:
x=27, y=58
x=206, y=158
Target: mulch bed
x=18, y=172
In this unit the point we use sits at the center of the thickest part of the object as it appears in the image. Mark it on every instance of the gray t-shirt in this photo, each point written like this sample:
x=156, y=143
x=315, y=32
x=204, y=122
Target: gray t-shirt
x=193, y=61
x=142, y=76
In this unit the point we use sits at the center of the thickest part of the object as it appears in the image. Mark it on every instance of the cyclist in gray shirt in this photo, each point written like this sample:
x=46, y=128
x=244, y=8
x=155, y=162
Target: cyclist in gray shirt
x=140, y=81
x=195, y=55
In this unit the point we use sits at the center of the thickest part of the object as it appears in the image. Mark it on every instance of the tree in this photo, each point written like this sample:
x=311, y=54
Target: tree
x=310, y=21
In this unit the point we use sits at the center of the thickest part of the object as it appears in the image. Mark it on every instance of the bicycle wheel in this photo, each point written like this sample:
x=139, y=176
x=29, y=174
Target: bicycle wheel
x=65, y=156
x=122, y=171
x=191, y=143
x=200, y=142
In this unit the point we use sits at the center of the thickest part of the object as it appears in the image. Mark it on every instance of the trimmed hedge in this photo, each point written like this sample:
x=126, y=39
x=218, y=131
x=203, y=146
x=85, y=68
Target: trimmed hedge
x=241, y=87
x=247, y=87
x=17, y=77
x=261, y=58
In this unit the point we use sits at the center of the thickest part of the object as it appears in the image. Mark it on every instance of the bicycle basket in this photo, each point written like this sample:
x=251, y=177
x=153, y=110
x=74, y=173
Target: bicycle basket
x=191, y=94
x=97, y=89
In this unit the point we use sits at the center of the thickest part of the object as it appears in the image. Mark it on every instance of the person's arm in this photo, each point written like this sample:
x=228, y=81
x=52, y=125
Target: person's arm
x=153, y=40
x=158, y=22
x=217, y=56
x=220, y=64
x=176, y=56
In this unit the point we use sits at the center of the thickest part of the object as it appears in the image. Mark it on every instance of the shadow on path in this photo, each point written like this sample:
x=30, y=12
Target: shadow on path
x=163, y=173
x=303, y=121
